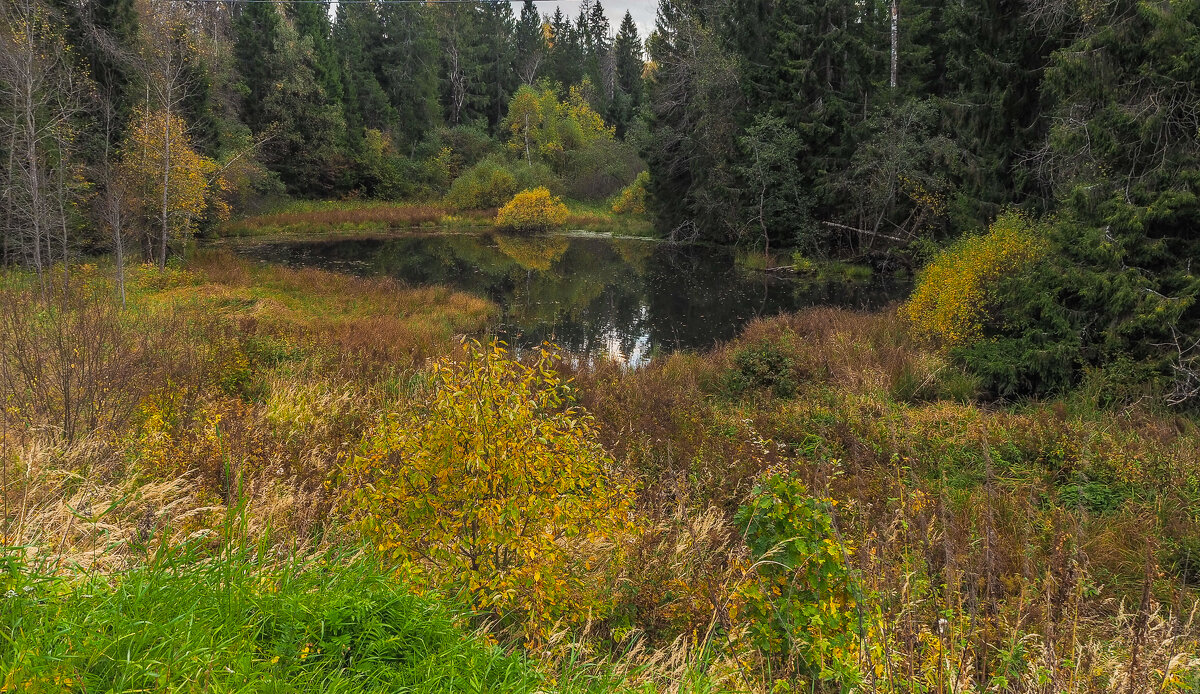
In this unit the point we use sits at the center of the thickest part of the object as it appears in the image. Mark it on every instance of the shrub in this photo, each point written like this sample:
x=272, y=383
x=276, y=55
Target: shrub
x=483, y=186
x=759, y=366
x=535, y=175
x=600, y=169
x=500, y=488
x=491, y=182
x=633, y=198
x=951, y=301
x=801, y=607
x=532, y=210
x=802, y=264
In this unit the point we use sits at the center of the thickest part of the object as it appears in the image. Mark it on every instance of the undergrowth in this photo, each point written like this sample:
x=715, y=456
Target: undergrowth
x=355, y=217
x=947, y=545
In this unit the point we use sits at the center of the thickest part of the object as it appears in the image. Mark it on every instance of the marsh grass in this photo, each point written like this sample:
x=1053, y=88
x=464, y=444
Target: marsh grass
x=337, y=216
x=599, y=217
x=220, y=382
x=1021, y=548
x=357, y=217
x=1030, y=547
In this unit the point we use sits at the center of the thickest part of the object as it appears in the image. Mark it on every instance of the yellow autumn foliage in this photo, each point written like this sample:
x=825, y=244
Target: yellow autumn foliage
x=632, y=199
x=540, y=125
x=950, y=301
x=158, y=152
x=532, y=210
x=499, y=487
x=533, y=252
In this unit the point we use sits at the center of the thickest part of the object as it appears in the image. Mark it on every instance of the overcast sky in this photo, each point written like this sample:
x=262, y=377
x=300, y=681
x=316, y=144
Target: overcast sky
x=642, y=11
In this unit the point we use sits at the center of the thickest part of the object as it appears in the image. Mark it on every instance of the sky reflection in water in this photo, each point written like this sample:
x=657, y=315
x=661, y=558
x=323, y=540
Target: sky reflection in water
x=595, y=297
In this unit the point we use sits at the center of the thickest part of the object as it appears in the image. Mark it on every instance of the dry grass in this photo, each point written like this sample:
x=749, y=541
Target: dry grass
x=337, y=216
x=228, y=391
x=1031, y=529
x=1043, y=534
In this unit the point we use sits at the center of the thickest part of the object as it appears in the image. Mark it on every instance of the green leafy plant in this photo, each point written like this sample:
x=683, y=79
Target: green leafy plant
x=801, y=603
x=762, y=366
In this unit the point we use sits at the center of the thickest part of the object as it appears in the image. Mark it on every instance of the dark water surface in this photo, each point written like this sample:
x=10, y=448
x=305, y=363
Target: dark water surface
x=594, y=296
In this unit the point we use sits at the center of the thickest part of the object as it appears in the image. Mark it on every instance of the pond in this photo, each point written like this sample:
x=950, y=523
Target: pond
x=594, y=296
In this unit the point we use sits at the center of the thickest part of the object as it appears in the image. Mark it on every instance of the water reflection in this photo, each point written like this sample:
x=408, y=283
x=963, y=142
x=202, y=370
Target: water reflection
x=626, y=299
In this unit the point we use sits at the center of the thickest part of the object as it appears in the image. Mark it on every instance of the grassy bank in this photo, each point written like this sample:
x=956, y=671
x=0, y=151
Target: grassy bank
x=949, y=545
x=334, y=217
x=231, y=623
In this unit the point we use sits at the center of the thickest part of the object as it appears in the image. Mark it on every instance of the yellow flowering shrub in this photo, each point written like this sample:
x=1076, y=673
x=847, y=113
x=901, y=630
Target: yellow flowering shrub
x=498, y=487
x=632, y=199
x=532, y=210
x=950, y=301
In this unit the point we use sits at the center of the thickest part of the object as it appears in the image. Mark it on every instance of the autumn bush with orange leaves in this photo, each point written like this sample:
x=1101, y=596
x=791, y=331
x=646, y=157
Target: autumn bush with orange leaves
x=950, y=302
x=497, y=486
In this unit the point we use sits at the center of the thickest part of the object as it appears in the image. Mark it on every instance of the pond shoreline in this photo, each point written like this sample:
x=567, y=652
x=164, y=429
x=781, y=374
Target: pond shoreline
x=595, y=294
x=303, y=218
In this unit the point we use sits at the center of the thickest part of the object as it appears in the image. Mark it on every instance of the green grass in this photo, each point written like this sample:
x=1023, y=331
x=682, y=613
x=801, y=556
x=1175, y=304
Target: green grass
x=337, y=217
x=180, y=624
x=599, y=217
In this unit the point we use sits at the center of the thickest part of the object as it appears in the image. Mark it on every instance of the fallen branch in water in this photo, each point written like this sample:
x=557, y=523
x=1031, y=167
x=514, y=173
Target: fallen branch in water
x=865, y=231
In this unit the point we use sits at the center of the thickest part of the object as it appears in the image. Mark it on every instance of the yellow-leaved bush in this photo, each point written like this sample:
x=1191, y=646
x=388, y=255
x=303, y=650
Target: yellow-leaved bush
x=632, y=199
x=950, y=301
x=532, y=210
x=497, y=487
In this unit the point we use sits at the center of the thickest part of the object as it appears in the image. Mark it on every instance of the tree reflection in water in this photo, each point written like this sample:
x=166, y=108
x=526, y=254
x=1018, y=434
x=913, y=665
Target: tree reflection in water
x=596, y=297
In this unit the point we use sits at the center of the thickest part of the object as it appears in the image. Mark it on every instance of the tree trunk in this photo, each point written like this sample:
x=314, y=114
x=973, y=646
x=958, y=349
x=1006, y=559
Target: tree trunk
x=162, y=247
x=895, y=42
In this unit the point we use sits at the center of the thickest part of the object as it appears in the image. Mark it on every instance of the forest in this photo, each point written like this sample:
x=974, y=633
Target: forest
x=475, y=345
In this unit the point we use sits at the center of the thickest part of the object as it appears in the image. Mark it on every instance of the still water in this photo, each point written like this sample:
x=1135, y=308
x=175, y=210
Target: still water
x=596, y=297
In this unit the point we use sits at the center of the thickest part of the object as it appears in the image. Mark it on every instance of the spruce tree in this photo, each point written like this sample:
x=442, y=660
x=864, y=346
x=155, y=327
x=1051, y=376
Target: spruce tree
x=464, y=92
x=530, y=44
x=285, y=100
x=357, y=36
x=312, y=22
x=499, y=72
x=565, y=64
x=627, y=58
x=693, y=98
x=407, y=66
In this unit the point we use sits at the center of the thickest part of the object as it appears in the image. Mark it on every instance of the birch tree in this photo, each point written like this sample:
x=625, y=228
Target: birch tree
x=41, y=93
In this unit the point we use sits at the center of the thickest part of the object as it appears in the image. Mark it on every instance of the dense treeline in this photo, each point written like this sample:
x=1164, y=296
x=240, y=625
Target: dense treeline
x=876, y=129
x=142, y=123
x=835, y=124
x=872, y=128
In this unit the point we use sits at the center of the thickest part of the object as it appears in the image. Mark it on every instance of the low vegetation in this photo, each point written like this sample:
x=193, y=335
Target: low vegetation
x=353, y=218
x=532, y=210
x=187, y=621
x=951, y=302
x=343, y=216
x=821, y=505
x=632, y=199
